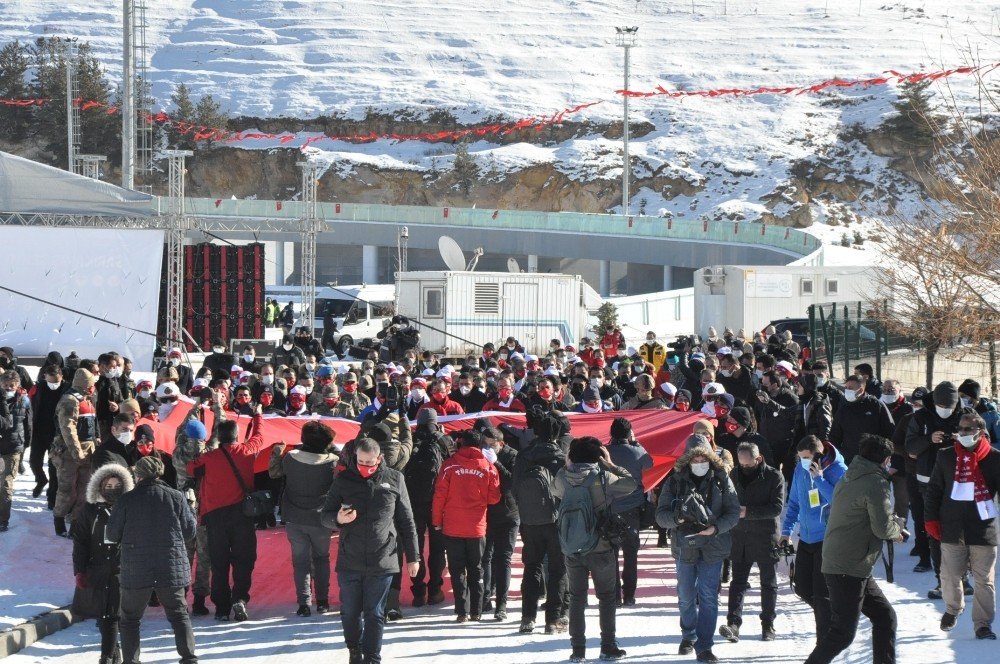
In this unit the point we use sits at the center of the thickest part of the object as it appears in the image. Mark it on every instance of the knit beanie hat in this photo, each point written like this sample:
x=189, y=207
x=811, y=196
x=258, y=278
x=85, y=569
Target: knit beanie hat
x=621, y=428
x=741, y=416
x=317, y=437
x=970, y=388
x=427, y=417
x=148, y=467
x=380, y=433
x=946, y=395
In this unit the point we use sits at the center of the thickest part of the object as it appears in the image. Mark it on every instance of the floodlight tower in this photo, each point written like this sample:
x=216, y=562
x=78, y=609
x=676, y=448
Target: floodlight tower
x=176, y=226
x=625, y=38
x=310, y=229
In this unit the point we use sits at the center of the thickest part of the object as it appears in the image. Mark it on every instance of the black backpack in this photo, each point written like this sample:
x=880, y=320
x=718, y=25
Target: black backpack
x=533, y=492
x=422, y=469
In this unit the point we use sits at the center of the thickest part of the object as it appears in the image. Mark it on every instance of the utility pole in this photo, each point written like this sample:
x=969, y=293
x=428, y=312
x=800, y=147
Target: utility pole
x=176, y=226
x=404, y=240
x=625, y=38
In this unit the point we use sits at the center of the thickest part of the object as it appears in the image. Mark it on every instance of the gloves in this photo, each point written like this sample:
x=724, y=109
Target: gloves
x=490, y=455
x=933, y=529
x=81, y=580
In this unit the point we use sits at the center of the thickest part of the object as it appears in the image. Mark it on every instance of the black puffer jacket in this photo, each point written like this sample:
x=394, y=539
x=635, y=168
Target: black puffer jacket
x=152, y=523
x=15, y=423
x=762, y=493
x=43, y=413
x=368, y=544
x=814, y=417
x=922, y=426
x=505, y=512
x=540, y=453
x=960, y=520
x=867, y=415
x=776, y=419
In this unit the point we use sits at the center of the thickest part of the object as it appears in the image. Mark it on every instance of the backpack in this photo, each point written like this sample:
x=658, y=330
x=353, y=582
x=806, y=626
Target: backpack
x=422, y=469
x=578, y=519
x=533, y=491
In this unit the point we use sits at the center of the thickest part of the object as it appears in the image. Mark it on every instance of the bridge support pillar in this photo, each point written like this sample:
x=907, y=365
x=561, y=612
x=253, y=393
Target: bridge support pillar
x=532, y=263
x=369, y=264
x=279, y=263
x=605, y=281
x=668, y=278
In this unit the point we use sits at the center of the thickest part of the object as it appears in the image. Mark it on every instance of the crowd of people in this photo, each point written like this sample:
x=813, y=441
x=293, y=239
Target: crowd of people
x=782, y=454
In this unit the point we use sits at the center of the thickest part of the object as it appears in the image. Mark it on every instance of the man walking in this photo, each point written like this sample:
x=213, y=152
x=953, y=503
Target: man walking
x=153, y=523
x=628, y=453
x=861, y=520
x=15, y=435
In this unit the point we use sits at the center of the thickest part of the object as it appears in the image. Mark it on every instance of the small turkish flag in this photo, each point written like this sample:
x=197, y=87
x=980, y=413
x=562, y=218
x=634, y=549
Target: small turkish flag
x=218, y=202
x=495, y=213
x=277, y=204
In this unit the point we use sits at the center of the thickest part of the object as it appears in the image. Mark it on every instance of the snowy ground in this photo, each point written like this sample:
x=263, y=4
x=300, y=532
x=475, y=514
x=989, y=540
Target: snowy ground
x=37, y=576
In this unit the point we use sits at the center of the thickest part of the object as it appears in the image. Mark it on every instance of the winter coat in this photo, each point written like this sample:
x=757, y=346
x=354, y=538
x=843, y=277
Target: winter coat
x=308, y=477
x=515, y=406
x=634, y=458
x=15, y=423
x=835, y=396
x=398, y=450
x=152, y=523
x=960, y=520
x=616, y=484
x=93, y=556
x=109, y=390
x=187, y=450
x=814, y=417
x=220, y=364
x=43, y=413
x=552, y=457
x=812, y=520
x=860, y=521
x=720, y=498
x=653, y=353
x=465, y=487
x=535, y=401
x=762, y=493
x=221, y=488
x=111, y=450
x=777, y=418
x=76, y=426
x=731, y=444
x=650, y=404
x=368, y=544
x=132, y=455
x=867, y=415
x=922, y=426
x=504, y=512
x=289, y=358
x=472, y=402
x=447, y=407
x=741, y=387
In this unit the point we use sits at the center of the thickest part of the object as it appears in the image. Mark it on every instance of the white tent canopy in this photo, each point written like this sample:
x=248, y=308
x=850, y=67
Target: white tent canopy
x=28, y=187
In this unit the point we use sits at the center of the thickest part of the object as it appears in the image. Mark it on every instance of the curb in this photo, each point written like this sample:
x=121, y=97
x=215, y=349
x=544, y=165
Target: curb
x=21, y=636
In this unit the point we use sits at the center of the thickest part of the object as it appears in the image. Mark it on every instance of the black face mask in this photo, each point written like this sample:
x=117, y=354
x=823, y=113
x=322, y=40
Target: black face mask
x=749, y=471
x=111, y=495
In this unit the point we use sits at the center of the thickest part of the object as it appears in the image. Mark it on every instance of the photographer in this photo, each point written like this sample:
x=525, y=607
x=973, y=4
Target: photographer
x=861, y=520
x=819, y=467
x=761, y=490
x=699, y=503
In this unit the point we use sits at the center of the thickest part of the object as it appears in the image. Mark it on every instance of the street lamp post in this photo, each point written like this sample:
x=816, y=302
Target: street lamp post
x=625, y=37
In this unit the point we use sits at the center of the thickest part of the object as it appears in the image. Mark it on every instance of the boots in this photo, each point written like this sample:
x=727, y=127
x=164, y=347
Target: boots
x=199, y=608
x=392, y=612
x=60, y=525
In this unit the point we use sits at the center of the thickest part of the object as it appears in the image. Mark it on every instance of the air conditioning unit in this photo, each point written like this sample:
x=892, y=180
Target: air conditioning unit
x=713, y=276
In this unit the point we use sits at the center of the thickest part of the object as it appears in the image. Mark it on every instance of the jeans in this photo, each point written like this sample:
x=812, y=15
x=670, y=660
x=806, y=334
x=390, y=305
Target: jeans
x=310, y=561
x=362, y=611
x=849, y=598
x=501, y=538
x=8, y=466
x=698, y=600
x=232, y=544
x=539, y=541
x=810, y=584
x=602, y=568
x=744, y=556
x=433, y=564
x=174, y=601
x=626, y=582
x=465, y=564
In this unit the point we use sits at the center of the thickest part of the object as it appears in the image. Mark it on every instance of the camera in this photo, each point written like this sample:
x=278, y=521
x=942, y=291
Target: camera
x=684, y=341
x=388, y=394
x=787, y=549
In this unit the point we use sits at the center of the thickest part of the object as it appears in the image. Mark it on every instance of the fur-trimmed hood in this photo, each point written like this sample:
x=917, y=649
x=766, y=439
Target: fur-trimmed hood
x=103, y=473
x=714, y=460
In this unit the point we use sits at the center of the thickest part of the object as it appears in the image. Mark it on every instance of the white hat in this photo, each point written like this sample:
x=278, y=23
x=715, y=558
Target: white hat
x=445, y=371
x=342, y=369
x=787, y=366
x=713, y=389
x=167, y=390
x=492, y=371
x=630, y=351
x=551, y=371
x=174, y=351
x=298, y=389
x=515, y=356
x=697, y=356
x=530, y=358
x=725, y=350
x=427, y=372
x=235, y=368
x=198, y=382
x=668, y=388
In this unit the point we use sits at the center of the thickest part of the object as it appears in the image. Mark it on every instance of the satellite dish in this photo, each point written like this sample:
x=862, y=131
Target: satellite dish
x=512, y=266
x=471, y=267
x=451, y=254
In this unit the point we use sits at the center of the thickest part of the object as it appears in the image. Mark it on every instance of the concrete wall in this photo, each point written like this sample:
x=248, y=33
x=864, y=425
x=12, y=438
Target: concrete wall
x=911, y=368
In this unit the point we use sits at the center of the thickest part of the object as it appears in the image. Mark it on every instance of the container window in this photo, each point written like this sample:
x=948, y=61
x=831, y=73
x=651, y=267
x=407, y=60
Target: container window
x=806, y=287
x=832, y=286
x=433, y=302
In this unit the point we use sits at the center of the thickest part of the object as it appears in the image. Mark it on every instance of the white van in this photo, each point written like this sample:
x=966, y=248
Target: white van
x=358, y=311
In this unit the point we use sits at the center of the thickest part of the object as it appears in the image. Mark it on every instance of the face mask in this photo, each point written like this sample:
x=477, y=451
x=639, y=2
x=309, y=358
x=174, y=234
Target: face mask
x=943, y=413
x=545, y=393
x=286, y=346
x=596, y=383
x=726, y=373
x=266, y=400
x=267, y=380
x=850, y=395
x=682, y=406
x=331, y=401
x=310, y=366
x=966, y=402
x=242, y=400
x=591, y=409
x=367, y=471
x=219, y=349
x=709, y=409
x=731, y=427
x=700, y=469
x=650, y=340
x=308, y=389
x=175, y=361
x=438, y=397
x=969, y=441
x=248, y=358
x=296, y=402
x=55, y=386
x=111, y=495
x=124, y=437
x=417, y=394
x=888, y=399
x=805, y=463
x=464, y=389
x=350, y=388
x=505, y=394
x=9, y=394
x=428, y=365
x=821, y=381
x=748, y=470
x=144, y=394
x=145, y=449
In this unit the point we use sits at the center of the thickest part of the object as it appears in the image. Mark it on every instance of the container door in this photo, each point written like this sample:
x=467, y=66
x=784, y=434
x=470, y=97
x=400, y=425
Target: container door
x=519, y=318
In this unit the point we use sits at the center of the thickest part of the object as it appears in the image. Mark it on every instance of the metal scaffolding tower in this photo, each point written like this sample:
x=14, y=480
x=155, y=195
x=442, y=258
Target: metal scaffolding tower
x=90, y=165
x=403, y=247
x=177, y=224
x=310, y=228
x=137, y=129
x=625, y=38
x=70, y=60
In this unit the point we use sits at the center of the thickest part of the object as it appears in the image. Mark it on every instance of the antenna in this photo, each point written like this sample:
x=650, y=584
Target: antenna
x=475, y=259
x=451, y=254
x=512, y=266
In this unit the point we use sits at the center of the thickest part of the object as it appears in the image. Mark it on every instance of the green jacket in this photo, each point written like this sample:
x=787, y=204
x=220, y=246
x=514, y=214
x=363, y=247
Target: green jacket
x=861, y=519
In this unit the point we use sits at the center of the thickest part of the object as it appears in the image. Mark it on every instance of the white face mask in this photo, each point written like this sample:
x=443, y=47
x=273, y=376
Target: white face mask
x=310, y=367
x=700, y=469
x=944, y=412
x=219, y=349
x=248, y=358
x=597, y=383
x=417, y=394
x=889, y=399
x=286, y=346
x=144, y=394
x=9, y=394
x=821, y=381
x=164, y=410
x=708, y=408
x=726, y=373
x=966, y=402
x=175, y=361
x=464, y=389
x=759, y=373
x=125, y=437
x=308, y=389
x=850, y=395
x=969, y=441
x=588, y=409
x=53, y=386
x=267, y=380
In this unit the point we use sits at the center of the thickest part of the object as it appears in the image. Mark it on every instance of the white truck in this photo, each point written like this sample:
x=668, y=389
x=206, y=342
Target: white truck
x=358, y=311
x=458, y=312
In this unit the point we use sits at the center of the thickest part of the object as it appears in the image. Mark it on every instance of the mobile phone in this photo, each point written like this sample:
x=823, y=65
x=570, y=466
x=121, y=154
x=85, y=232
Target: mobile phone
x=349, y=508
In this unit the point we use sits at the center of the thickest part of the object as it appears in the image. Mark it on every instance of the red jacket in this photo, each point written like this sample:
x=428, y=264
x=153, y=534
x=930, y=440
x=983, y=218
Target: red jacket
x=466, y=485
x=448, y=407
x=516, y=406
x=609, y=343
x=219, y=486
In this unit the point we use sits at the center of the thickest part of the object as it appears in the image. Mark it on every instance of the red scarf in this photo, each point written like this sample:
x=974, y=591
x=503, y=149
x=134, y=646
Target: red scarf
x=969, y=481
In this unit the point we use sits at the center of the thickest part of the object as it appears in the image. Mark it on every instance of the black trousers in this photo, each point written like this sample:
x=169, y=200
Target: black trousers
x=36, y=460
x=849, y=598
x=745, y=554
x=539, y=541
x=920, y=539
x=465, y=564
x=501, y=538
x=174, y=601
x=810, y=584
x=431, y=565
x=580, y=569
x=232, y=547
x=627, y=558
x=932, y=545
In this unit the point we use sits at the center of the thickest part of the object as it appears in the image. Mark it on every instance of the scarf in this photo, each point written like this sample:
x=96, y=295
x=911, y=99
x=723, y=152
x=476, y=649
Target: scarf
x=969, y=482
